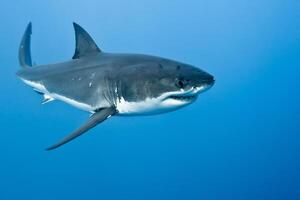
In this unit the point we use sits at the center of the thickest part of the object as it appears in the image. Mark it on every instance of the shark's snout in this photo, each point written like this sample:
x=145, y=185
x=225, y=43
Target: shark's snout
x=208, y=79
x=205, y=79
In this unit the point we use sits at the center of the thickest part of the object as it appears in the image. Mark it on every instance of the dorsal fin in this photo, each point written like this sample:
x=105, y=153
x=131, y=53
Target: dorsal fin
x=85, y=45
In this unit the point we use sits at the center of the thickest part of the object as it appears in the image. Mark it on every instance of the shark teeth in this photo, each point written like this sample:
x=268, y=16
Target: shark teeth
x=183, y=98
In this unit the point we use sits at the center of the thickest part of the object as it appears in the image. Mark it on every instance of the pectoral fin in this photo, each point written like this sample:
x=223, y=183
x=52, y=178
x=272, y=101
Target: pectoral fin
x=95, y=119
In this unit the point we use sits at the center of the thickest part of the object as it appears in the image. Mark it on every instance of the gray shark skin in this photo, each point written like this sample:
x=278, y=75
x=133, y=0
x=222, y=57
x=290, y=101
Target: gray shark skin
x=107, y=84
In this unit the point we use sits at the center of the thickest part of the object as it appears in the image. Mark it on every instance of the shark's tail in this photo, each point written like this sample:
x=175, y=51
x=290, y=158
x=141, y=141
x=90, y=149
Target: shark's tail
x=24, y=50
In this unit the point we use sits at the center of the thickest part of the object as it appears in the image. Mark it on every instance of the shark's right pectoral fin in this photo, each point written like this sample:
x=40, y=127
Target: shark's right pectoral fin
x=95, y=119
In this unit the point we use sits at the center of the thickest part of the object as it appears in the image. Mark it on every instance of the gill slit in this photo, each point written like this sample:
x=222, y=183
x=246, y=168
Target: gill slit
x=105, y=93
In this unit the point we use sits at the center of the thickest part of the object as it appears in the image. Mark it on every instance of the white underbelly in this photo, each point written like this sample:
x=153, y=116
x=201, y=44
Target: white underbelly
x=149, y=106
x=79, y=105
x=41, y=88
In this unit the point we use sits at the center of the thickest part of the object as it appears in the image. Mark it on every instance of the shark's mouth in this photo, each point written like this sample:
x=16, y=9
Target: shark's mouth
x=184, y=98
x=187, y=96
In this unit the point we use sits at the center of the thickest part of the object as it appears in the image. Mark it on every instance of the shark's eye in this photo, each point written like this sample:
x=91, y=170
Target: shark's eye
x=180, y=83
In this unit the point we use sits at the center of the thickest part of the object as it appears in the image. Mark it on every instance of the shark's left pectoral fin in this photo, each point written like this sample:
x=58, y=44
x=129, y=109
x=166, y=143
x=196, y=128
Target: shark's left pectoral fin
x=95, y=119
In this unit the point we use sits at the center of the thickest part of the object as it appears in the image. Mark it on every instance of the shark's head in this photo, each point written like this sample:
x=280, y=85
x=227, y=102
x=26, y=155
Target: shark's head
x=183, y=84
x=164, y=86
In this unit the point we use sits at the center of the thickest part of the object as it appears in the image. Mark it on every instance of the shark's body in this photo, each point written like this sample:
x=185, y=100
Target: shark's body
x=106, y=79
x=107, y=84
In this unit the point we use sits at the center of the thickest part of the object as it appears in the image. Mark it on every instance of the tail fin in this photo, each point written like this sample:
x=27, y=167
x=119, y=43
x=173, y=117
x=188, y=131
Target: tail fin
x=24, y=50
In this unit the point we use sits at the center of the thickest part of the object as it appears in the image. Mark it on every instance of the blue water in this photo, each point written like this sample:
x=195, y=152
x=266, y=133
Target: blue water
x=240, y=140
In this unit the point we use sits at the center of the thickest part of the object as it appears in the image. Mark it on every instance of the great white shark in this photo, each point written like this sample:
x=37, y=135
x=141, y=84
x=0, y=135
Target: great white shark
x=108, y=84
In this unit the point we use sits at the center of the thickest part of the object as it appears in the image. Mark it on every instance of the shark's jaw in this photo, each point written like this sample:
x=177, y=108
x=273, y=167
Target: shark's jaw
x=166, y=102
x=182, y=97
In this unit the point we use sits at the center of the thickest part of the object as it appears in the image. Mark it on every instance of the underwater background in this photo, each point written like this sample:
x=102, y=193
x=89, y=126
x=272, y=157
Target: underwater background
x=239, y=140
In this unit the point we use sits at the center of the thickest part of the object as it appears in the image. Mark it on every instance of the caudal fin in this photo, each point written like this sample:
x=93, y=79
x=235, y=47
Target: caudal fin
x=24, y=49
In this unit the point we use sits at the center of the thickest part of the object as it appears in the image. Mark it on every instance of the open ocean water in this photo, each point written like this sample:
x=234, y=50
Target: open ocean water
x=239, y=140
